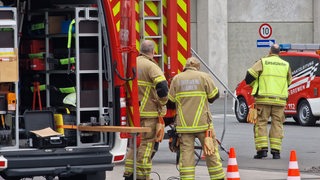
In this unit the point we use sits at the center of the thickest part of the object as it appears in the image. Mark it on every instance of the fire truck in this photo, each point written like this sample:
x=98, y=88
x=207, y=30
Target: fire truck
x=304, y=100
x=66, y=63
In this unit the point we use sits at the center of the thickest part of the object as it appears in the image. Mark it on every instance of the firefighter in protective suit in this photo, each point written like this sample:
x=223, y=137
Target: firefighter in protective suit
x=190, y=93
x=153, y=96
x=270, y=78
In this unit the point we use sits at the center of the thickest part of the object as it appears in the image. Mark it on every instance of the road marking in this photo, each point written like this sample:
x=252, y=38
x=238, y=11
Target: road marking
x=222, y=115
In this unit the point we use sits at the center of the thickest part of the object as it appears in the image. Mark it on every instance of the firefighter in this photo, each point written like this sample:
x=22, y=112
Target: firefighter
x=270, y=78
x=190, y=93
x=153, y=96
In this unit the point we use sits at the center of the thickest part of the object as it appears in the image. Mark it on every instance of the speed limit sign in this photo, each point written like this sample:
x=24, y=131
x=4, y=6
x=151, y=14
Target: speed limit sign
x=265, y=30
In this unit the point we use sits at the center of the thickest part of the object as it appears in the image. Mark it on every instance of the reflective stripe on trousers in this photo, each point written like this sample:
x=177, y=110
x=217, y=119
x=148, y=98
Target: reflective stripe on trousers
x=144, y=151
x=261, y=127
x=187, y=161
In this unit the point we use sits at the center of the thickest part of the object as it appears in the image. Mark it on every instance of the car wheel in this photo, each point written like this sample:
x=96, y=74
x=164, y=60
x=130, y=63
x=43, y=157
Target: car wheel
x=305, y=116
x=242, y=113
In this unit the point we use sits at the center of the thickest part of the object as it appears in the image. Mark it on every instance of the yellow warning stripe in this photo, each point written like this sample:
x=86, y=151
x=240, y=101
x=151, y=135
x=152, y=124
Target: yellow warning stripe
x=183, y=5
x=153, y=8
x=182, y=41
x=181, y=58
x=116, y=11
x=153, y=26
x=182, y=22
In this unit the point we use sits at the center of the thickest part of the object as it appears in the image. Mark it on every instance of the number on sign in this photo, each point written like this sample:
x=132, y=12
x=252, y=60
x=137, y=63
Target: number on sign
x=265, y=30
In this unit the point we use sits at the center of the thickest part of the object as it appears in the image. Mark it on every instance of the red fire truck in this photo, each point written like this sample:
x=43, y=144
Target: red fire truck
x=304, y=99
x=65, y=63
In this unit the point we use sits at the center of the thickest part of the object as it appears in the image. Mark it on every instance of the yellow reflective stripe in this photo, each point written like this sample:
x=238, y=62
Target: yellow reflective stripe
x=182, y=5
x=182, y=41
x=262, y=141
x=213, y=93
x=153, y=26
x=253, y=73
x=171, y=98
x=275, y=140
x=187, y=169
x=191, y=93
x=199, y=112
x=185, y=129
x=159, y=79
x=144, y=83
x=147, y=153
x=145, y=98
x=181, y=116
x=149, y=114
x=272, y=101
x=182, y=60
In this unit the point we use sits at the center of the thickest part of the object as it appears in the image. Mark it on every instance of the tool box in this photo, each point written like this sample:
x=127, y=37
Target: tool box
x=39, y=127
x=47, y=138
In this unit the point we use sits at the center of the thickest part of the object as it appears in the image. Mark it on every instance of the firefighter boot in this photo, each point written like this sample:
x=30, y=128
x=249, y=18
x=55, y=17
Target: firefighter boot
x=128, y=177
x=261, y=154
x=275, y=154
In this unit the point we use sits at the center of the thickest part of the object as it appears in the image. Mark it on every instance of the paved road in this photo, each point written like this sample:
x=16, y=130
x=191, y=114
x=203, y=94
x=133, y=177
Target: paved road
x=305, y=140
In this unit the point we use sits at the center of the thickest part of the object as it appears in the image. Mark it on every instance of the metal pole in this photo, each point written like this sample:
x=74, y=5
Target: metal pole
x=226, y=88
x=205, y=64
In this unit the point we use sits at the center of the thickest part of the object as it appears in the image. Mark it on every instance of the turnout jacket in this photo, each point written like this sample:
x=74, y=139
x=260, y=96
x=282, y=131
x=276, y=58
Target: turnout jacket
x=270, y=78
x=190, y=91
x=153, y=87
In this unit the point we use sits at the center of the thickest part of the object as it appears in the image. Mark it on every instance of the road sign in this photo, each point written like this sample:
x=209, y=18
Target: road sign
x=263, y=43
x=265, y=30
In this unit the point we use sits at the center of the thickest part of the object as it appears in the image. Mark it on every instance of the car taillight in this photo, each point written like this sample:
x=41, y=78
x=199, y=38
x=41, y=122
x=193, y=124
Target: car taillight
x=3, y=162
x=123, y=111
x=118, y=158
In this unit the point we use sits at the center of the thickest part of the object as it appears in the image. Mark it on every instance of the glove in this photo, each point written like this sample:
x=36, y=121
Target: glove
x=163, y=111
x=252, y=115
x=174, y=140
x=208, y=146
x=160, y=130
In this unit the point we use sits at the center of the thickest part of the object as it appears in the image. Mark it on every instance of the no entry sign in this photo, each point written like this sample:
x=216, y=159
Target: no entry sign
x=265, y=30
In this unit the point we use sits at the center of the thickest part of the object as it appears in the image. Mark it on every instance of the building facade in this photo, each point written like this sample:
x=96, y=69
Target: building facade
x=225, y=33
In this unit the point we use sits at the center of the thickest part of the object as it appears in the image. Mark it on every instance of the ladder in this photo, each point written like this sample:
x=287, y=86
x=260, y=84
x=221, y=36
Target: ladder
x=151, y=26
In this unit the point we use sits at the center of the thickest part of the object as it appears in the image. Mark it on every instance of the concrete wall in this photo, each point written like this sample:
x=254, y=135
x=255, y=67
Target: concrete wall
x=224, y=33
x=291, y=22
x=210, y=40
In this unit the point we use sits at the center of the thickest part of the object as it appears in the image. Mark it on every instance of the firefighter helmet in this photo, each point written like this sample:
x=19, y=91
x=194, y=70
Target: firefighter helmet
x=193, y=62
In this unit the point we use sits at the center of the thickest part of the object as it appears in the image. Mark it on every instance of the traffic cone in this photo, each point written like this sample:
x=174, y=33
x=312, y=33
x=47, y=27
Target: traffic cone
x=293, y=170
x=232, y=170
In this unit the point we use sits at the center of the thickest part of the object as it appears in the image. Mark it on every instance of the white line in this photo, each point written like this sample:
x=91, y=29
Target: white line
x=222, y=115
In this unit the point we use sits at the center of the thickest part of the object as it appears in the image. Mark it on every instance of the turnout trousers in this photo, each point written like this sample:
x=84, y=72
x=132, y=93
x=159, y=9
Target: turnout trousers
x=261, y=127
x=187, y=160
x=144, y=151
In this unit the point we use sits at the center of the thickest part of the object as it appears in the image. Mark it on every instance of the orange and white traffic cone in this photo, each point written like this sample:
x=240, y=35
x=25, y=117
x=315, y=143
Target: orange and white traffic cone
x=293, y=170
x=232, y=170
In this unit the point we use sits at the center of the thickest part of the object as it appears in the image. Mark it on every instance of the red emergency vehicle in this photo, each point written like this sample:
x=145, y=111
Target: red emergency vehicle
x=304, y=98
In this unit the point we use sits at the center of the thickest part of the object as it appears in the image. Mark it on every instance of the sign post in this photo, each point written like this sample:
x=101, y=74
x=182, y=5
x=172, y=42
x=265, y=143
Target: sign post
x=265, y=31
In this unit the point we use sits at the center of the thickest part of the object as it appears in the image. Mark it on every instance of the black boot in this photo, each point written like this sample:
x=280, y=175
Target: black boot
x=261, y=154
x=128, y=177
x=275, y=154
